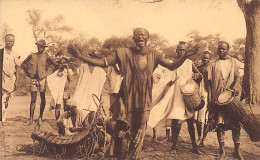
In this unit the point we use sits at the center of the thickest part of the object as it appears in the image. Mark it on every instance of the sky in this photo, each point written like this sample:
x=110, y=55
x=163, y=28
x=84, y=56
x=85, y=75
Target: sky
x=172, y=19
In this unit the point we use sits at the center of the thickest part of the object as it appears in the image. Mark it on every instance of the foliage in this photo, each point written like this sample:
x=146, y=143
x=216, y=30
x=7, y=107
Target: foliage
x=50, y=30
x=114, y=43
x=5, y=29
x=157, y=42
x=238, y=49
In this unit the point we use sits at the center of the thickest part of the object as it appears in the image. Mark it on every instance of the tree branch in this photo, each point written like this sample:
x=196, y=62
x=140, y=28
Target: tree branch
x=149, y=1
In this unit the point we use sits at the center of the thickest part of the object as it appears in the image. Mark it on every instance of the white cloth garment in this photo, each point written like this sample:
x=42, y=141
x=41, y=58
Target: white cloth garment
x=89, y=84
x=115, y=80
x=56, y=85
x=10, y=61
x=162, y=77
x=225, y=67
x=201, y=114
x=172, y=106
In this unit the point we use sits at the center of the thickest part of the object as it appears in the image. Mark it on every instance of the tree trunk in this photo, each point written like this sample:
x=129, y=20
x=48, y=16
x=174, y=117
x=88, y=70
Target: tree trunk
x=251, y=80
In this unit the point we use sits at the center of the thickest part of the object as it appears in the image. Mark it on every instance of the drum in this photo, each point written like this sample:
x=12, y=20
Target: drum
x=247, y=120
x=192, y=96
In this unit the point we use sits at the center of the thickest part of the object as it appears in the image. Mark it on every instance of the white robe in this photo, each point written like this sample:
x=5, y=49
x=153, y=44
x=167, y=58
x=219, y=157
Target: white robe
x=9, y=63
x=201, y=114
x=56, y=85
x=89, y=84
x=115, y=80
x=172, y=106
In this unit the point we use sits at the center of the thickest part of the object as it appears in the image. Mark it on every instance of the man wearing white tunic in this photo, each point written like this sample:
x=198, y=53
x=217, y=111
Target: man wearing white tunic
x=10, y=61
x=172, y=106
x=114, y=78
x=58, y=83
x=91, y=81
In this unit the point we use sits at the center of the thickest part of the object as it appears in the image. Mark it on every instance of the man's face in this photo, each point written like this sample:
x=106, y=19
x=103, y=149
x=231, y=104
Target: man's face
x=140, y=38
x=180, y=50
x=205, y=58
x=9, y=42
x=222, y=50
x=40, y=48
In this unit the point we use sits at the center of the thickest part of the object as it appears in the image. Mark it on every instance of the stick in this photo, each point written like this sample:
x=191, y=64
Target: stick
x=1, y=78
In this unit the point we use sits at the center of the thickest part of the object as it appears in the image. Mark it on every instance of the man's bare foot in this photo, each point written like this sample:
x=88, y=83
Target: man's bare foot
x=155, y=140
x=28, y=123
x=197, y=151
x=173, y=151
x=221, y=156
x=41, y=120
x=238, y=156
x=3, y=124
x=200, y=142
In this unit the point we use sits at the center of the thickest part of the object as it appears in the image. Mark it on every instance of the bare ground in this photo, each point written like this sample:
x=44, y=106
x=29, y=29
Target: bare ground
x=16, y=141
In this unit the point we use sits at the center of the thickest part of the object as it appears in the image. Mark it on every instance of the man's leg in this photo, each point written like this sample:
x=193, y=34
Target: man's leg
x=57, y=111
x=120, y=142
x=176, y=127
x=43, y=102
x=154, y=139
x=236, y=138
x=42, y=88
x=32, y=105
x=221, y=136
x=5, y=99
x=205, y=132
x=192, y=135
x=199, y=129
x=167, y=130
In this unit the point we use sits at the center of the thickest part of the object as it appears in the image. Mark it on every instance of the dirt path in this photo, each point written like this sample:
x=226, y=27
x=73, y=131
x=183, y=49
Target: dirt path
x=16, y=142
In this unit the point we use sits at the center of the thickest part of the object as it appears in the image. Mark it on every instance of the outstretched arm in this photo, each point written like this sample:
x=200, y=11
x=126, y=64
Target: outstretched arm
x=172, y=65
x=93, y=61
x=53, y=62
x=177, y=63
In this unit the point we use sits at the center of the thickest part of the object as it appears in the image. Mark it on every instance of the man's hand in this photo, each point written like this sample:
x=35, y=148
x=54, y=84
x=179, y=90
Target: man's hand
x=74, y=50
x=196, y=76
x=236, y=92
x=191, y=51
x=170, y=83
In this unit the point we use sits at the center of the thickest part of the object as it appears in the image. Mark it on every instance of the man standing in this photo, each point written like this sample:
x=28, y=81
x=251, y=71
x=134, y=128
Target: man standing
x=223, y=74
x=201, y=79
x=8, y=72
x=178, y=112
x=131, y=109
x=35, y=66
x=172, y=106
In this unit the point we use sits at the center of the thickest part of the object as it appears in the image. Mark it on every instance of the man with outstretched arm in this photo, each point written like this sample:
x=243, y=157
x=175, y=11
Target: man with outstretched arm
x=131, y=109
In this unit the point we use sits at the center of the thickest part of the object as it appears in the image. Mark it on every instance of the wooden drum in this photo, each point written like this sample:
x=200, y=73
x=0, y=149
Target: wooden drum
x=192, y=96
x=247, y=120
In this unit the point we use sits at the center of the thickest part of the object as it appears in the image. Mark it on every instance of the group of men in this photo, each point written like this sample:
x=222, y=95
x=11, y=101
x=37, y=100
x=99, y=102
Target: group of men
x=132, y=104
x=214, y=77
x=35, y=66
